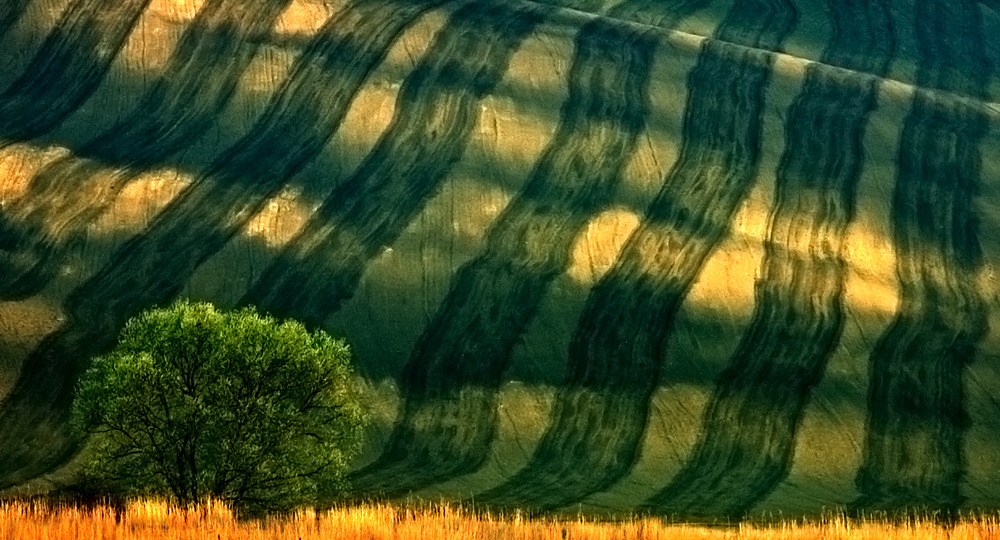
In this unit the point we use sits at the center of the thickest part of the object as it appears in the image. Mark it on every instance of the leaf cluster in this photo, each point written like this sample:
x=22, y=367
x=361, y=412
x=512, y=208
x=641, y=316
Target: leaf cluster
x=197, y=403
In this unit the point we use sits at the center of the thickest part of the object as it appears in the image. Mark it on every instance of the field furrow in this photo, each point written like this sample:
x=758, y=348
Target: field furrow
x=746, y=441
x=617, y=350
x=916, y=406
x=154, y=266
x=656, y=13
x=10, y=11
x=65, y=71
x=704, y=259
x=435, y=113
x=70, y=193
x=455, y=368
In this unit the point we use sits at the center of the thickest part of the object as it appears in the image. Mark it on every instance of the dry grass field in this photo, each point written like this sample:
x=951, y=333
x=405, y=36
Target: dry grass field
x=150, y=520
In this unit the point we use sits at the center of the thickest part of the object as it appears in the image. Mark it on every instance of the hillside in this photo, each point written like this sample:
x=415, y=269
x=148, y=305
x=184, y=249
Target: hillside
x=698, y=257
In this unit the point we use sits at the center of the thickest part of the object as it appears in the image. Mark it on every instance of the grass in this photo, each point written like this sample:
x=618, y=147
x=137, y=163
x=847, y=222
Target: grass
x=151, y=519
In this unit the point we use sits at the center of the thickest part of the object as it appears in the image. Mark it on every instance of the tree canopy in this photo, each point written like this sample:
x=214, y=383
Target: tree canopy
x=196, y=403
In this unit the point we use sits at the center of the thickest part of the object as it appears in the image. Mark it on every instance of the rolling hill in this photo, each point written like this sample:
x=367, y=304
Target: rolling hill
x=702, y=258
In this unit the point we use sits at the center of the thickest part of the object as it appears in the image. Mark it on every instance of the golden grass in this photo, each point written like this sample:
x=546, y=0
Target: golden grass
x=157, y=520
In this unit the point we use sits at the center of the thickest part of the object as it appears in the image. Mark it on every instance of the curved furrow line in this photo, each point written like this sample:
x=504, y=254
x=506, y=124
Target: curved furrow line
x=436, y=111
x=656, y=12
x=453, y=374
x=198, y=81
x=10, y=12
x=747, y=437
x=586, y=6
x=616, y=352
x=152, y=268
x=67, y=68
x=69, y=194
x=916, y=411
x=758, y=24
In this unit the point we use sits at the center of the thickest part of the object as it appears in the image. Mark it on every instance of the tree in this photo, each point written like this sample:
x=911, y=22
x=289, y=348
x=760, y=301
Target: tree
x=196, y=403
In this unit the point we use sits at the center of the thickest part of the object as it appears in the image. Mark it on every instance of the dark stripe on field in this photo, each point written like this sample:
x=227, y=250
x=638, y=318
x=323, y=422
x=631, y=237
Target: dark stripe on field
x=67, y=195
x=916, y=407
x=10, y=12
x=67, y=68
x=436, y=110
x=451, y=380
x=202, y=74
x=588, y=6
x=747, y=437
x=665, y=14
x=616, y=352
x=152, y=268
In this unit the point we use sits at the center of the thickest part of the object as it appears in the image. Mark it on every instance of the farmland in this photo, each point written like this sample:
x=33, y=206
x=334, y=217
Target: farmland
x=705, y=259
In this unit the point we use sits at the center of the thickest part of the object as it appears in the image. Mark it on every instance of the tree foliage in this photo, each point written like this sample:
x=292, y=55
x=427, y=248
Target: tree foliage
x=197, y=403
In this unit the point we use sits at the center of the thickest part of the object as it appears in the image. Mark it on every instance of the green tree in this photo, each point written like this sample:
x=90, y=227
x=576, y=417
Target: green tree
x=196, y=403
